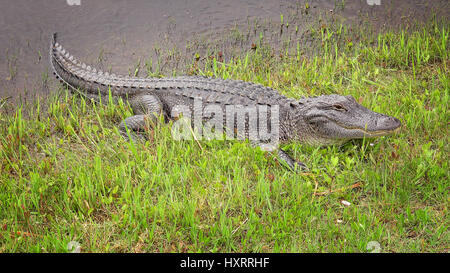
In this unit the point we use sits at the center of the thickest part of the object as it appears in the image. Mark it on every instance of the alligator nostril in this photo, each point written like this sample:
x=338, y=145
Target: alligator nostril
x=394, y=122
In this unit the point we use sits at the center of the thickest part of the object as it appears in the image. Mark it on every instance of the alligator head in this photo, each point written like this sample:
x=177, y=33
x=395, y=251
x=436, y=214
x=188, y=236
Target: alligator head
x=334, y=119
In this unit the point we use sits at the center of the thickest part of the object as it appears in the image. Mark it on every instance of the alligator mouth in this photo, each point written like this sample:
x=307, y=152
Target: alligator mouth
x=381, y=132
x=371, y=133
x=375, y=133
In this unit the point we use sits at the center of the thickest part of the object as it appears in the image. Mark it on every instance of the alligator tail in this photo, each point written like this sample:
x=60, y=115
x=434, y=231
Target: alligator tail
x=76, y=75
x=59, y=69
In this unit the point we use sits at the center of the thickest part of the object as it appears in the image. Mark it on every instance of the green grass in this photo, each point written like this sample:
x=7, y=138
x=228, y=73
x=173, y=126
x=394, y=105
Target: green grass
x=67, y=175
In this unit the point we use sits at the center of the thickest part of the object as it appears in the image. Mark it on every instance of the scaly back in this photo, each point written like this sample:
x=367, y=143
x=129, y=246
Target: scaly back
x=86, y=79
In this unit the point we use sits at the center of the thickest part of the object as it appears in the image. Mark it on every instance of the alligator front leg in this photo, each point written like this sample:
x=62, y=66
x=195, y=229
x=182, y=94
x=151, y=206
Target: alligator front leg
x=282, y=155
x=147, y=108
x=292, y=163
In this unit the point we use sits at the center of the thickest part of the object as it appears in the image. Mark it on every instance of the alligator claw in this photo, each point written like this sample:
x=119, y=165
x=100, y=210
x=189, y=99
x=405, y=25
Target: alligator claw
x=292, y=163
x=300, y=166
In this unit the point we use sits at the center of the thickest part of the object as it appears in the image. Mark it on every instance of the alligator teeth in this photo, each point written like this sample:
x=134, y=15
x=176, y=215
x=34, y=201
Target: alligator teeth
x=71, y=58
x=63, y=52
x=88, y=68
x=67, y=55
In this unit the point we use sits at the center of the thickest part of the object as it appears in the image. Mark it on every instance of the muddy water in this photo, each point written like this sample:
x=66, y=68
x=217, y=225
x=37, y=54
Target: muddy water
x=121, y=36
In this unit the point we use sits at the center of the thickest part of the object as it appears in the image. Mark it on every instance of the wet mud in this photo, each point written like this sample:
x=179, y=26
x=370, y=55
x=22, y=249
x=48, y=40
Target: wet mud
x=162, y=36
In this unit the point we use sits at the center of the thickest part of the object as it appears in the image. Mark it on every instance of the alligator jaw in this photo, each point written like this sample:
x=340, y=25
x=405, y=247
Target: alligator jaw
x=376, y=133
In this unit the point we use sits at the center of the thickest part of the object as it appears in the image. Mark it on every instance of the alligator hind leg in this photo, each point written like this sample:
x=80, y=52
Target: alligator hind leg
x=147, y=108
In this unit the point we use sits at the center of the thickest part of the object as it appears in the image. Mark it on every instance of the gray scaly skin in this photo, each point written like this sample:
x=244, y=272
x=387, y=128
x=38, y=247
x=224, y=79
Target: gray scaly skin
x=323, y=120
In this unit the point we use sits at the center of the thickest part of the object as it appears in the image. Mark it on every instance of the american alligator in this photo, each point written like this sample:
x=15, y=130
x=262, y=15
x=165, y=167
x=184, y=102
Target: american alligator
x=323, y=120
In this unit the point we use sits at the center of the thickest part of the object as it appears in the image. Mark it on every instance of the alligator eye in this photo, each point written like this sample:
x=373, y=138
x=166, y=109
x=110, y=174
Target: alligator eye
x=339, y=107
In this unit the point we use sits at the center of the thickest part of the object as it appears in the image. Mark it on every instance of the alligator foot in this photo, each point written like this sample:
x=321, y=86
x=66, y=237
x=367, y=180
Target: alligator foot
x=292, y=163
x=148, y=109
x=131, y=126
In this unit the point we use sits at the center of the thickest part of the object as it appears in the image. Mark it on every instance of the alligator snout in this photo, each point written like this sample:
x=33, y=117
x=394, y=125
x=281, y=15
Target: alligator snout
x=388, y=123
